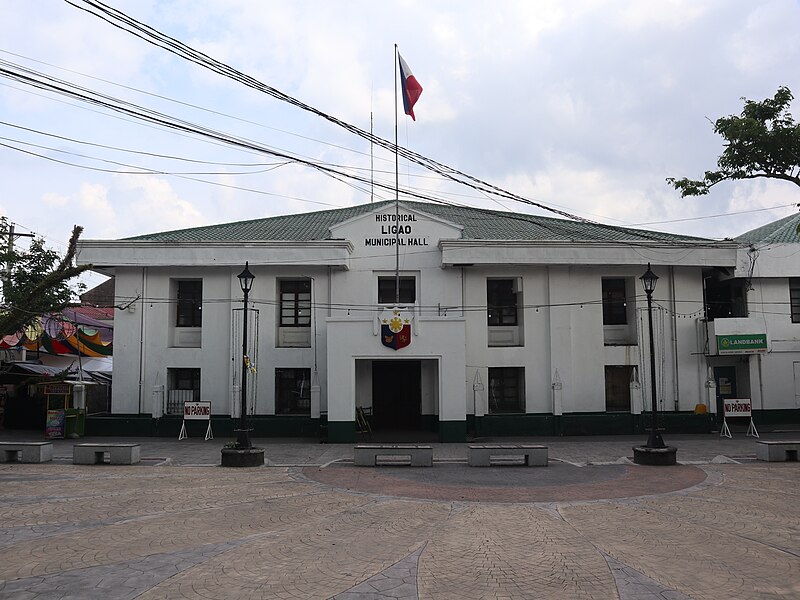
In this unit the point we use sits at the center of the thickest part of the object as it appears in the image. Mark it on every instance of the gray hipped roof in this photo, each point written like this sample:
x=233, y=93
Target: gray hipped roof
x=780, y=231
x=478, y=224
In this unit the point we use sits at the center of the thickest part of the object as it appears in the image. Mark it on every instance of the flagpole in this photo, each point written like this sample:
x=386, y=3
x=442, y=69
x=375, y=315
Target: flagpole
x=396, y=193
x=371, y=163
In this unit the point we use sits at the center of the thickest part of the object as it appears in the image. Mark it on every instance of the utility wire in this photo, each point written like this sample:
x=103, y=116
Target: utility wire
x=45, y=82
x=153, y=36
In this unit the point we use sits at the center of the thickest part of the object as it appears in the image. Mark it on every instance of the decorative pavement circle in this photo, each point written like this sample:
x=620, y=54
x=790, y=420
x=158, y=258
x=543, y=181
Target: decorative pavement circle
x=558, y=482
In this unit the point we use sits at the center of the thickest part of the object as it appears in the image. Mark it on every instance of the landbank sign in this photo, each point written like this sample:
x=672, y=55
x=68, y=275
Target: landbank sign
x=742, y=344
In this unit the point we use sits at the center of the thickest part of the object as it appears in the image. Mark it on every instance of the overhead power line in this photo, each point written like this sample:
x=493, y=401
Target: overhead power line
x=153, y=36
x=27, y=76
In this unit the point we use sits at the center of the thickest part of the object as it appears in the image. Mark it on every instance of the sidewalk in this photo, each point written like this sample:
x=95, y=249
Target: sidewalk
x=580, y=450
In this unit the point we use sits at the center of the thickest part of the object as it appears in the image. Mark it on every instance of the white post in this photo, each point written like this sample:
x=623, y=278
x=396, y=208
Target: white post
x=558, y=390
x=711, y=392
x=235, y=401
x=478, y=395
x=316, y=395
x=157, y=407
x=79, y=396
x=636, y=393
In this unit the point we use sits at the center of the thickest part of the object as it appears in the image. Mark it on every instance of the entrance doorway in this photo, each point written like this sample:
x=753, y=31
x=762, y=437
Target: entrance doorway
x=396, y=394
x=725, y=378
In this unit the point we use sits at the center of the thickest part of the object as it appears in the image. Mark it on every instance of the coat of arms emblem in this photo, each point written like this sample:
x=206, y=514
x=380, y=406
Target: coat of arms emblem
x=395, y=327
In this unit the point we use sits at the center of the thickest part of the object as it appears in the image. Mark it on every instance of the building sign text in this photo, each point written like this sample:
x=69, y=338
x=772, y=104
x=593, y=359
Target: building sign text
x=396, y=229
x=742, y=344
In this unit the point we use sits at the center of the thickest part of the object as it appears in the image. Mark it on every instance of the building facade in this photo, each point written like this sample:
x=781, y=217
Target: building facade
x=428, y=318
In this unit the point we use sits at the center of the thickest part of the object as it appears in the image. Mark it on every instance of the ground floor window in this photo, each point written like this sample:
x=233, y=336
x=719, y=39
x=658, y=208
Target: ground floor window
x=506, y=390
x=618, y=388
x=292, y=391
x=183, y=386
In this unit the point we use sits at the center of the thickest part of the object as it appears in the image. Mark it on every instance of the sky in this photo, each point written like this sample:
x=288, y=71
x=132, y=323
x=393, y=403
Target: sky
x=586, y=106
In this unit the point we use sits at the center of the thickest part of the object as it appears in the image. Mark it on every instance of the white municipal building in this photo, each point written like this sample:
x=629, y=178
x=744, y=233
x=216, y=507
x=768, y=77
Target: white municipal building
x=505, y=324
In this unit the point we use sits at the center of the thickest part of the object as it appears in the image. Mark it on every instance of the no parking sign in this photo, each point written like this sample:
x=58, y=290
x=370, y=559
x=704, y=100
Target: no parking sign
x=196, y=411
x=738, y=407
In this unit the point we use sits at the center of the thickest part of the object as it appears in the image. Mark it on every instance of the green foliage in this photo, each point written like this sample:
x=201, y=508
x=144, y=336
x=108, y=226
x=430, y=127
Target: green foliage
x=762, y=142
x=38, y=281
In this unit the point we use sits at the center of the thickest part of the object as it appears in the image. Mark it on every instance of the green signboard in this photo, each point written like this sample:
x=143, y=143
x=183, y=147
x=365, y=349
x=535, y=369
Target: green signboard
x=742, y=344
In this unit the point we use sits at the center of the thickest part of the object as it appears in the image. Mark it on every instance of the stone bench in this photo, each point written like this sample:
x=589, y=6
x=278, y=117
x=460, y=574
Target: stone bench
x=777, y=451
x=95, y=454
x=366, y=455
x=480, y=455
x=26, y=452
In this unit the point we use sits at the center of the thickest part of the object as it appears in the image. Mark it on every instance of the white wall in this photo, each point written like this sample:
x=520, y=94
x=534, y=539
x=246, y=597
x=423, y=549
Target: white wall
x=769, y=303
x=450, y=327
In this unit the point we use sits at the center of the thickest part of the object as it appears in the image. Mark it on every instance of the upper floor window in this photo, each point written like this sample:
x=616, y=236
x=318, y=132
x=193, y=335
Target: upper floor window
x=295, y=302
x=615, y=306
x=190, y=303
x=726, y=298
x=501, y=302
x=387, y=290
x=794, y=298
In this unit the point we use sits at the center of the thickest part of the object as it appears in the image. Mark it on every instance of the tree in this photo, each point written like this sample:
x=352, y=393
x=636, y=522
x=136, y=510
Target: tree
x=763, y=142
x=35, y=280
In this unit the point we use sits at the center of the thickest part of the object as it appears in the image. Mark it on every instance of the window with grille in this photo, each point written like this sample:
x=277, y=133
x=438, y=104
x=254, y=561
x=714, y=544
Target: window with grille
x=183, y=386
x=506, y=390
x=501, y=302
x=295, y=297
x=292, y=391
x=190, y=303
x=387, y=290
x=794, y=298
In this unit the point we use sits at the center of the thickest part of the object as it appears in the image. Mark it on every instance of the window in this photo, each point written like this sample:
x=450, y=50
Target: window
x=292, y=391
x=794, y=298
x=506, y=390
x=618, y=388
x=725, y=298
x=387, y=287
x=190, y=303
x=184, y=386
x=615, y=308
x=501, y=301
x=295, y=302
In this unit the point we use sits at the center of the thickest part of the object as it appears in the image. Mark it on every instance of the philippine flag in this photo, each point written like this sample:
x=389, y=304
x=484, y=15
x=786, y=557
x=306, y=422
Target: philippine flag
x=412, y=90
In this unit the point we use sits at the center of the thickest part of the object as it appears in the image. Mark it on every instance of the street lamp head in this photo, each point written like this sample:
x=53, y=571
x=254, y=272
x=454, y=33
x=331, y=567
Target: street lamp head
x=246, y=278
x=649, y=280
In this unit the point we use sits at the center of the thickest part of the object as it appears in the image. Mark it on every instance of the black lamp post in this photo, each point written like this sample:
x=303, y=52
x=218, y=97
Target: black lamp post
x=243, y=433
x=649, y=280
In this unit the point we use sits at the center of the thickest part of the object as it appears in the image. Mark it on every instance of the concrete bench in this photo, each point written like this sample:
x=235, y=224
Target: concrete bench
x=95, y=454
x=777, y=451
x=480, y=455
x=26, y=452
x=366, y=455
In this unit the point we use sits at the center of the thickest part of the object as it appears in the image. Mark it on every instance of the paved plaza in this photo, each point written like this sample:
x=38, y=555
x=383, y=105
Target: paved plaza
x=309, y=524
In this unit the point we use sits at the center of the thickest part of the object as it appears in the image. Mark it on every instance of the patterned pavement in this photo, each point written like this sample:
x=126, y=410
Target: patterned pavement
x=709, y=531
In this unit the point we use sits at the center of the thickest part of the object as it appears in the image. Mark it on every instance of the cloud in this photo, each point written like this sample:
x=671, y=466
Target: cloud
x=587, y=105
x=155, y=206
